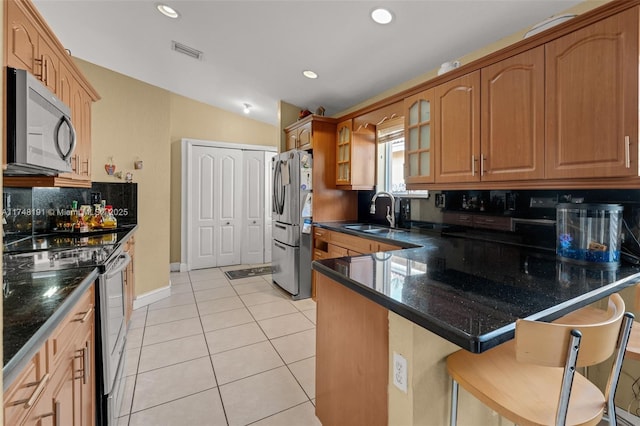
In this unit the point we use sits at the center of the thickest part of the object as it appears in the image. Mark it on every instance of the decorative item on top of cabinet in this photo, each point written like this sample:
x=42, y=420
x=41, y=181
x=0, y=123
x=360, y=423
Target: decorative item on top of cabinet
x=592, y=115
x=355, y=156
x=307, y=132
x=512, y=144
x=419, y=138
x=457, y=129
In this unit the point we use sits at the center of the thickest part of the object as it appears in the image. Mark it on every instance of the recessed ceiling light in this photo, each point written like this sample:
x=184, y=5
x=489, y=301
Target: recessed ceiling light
x=247, y=108
x=309, y=74
x=167, y=10
x=382, y=16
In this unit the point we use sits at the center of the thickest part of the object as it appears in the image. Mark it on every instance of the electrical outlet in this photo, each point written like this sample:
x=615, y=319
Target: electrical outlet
x=400, y=372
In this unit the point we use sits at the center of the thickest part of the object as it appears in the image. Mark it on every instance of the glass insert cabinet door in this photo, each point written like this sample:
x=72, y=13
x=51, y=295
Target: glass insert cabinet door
x=343, y=151
x=419, y=156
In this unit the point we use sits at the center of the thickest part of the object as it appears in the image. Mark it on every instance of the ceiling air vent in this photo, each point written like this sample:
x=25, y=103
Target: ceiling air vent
x=186, y=50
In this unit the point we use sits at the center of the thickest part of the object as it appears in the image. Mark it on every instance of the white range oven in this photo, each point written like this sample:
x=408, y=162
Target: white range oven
x=112, y=336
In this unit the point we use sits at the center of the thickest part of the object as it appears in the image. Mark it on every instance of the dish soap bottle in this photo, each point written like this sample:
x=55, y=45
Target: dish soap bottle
x=108, y=219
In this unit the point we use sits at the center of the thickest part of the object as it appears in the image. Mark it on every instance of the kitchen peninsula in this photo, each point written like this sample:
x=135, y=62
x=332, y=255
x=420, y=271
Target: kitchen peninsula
x=424, y=303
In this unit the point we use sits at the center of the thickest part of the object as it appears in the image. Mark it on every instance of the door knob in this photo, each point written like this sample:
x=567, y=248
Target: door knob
x=228, y=223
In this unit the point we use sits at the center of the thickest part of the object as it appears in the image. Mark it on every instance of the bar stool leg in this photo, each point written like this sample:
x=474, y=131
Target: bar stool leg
x=454, y=403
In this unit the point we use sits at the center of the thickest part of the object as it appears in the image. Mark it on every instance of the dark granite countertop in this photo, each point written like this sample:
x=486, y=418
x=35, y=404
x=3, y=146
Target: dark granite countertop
x=471, y=291
x=36, y=299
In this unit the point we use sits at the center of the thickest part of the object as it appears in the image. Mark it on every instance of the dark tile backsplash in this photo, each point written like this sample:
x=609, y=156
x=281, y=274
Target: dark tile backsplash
x=36, y=210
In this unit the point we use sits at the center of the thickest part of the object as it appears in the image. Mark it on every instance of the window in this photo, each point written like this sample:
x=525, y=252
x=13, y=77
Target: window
x=390, y=137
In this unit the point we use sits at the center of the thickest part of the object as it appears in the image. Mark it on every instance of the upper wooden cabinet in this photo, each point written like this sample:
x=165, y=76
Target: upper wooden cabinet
x=512, y=114
x=592, y=100
x=305, y=133
x=30, y=45
x=355, y=156
x=419, y=138
x=457, y=129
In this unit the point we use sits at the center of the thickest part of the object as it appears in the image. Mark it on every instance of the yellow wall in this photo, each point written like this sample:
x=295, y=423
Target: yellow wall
x=131, y=122
x=135, y=120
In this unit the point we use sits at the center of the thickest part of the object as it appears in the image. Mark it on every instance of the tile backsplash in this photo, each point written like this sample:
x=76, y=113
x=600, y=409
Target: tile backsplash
x=37, y=210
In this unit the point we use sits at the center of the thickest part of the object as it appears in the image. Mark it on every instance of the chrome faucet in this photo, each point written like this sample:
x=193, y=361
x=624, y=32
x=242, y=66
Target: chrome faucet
x=391, y=216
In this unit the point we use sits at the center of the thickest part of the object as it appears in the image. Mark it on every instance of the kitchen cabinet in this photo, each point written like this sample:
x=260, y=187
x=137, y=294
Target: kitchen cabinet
x=355, y=156
x=351, y=354
x=457, y=129
x=57, y=387
x=419, y=138
x=328, y=244
x=32, y=46
x=592, y=100
x=129, y=279
x=309, y=131
x=512, y=114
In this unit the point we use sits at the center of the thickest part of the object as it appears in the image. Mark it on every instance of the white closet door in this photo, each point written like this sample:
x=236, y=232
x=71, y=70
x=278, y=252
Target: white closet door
x=230, y=206
x=215, y=207
x=253, y=241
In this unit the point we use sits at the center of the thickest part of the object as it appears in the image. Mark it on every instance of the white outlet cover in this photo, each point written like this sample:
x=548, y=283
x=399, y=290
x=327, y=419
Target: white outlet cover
x=400, y=372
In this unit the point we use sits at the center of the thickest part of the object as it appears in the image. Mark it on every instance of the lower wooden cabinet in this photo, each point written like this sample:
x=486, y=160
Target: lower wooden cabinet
x=58, y=386
x=329, y=244
x=352, y=361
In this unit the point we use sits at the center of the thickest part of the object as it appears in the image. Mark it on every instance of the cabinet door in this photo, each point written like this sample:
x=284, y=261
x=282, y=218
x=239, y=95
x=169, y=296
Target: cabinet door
x=49, y=69
x=291, y=139
x=343, y=153
x=513, y=118
x=457, y=129
x=592, y=100
x=419, y=136
x=305, y=136
x=22, y=39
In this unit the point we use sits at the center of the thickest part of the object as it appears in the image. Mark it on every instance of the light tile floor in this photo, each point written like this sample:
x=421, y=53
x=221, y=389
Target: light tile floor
x=221, y=352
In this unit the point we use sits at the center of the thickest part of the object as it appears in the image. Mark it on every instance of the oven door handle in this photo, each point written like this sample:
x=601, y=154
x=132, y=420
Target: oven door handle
x=119, y=268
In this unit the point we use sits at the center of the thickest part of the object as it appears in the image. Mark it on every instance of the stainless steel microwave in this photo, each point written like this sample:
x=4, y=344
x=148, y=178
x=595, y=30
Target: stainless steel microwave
x=40, y=136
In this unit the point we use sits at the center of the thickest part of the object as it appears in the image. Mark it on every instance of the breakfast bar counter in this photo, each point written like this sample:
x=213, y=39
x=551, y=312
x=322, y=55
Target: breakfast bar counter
x=442, y=292
x=471, y=291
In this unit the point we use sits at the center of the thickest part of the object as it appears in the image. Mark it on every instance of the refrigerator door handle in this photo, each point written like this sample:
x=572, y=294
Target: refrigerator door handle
x=280, y=226
x=279, y=246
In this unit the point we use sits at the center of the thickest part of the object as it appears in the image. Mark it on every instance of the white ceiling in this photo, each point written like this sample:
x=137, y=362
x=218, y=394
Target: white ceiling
x=255, y=51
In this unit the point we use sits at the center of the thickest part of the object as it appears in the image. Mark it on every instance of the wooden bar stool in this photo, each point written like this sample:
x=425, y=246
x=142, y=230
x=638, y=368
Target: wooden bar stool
x=531, y=380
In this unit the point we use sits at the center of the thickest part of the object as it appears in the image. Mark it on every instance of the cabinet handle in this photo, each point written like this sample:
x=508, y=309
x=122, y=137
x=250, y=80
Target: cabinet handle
x=473, y=165
x=87, y=361
x=482, y=164
x=627, y=153
x=86, y=315
x=36, y=393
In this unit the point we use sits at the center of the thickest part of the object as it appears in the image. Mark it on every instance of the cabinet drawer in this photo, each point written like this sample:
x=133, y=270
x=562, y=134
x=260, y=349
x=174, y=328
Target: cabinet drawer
x=321, y=234
x=63, y=335
x=387, y=247
x=352, y=242
x=26, y=390
x=320, y=254
x=337, y=251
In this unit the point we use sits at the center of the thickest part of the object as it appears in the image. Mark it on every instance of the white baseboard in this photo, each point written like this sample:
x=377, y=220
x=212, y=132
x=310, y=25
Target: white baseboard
x=178, y=267
x=151, y=297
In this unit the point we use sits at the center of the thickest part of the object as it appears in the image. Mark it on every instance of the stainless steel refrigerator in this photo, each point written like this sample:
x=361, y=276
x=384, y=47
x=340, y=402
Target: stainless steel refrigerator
x=291, y=250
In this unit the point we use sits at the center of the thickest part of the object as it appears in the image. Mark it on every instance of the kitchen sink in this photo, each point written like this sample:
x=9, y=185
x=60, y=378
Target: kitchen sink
x=371, y=229
x=365, y=227
x=382, y=231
